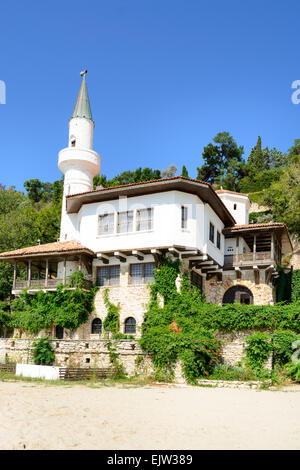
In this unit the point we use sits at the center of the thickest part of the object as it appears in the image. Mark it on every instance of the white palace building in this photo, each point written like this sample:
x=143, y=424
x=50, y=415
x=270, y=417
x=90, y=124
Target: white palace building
x=116, y=235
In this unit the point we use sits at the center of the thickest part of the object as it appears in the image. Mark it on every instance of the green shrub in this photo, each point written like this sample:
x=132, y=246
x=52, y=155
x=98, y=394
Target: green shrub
x=258, y=350
x=42, y=352
x=282, y=346
x=294, y=370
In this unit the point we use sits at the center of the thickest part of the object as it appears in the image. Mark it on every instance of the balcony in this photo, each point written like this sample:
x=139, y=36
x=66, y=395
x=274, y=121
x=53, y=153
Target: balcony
x=51, y=284
x=260, y=258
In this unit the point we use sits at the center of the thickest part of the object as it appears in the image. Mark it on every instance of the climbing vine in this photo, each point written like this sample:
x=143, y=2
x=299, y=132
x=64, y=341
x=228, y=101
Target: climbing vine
x=172, y=332
x=118, y=370
x=112, y=319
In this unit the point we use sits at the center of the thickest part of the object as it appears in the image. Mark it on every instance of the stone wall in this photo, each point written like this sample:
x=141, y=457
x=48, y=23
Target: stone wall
x=76, y=353
x=263, y=294
x=94, y=353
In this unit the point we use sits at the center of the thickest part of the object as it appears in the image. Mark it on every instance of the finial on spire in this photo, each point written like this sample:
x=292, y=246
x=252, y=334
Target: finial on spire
x=82, y=107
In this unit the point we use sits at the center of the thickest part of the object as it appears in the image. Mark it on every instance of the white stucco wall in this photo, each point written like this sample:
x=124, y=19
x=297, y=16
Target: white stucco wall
x=166, y=229
x=241, y=213
x=166, y=222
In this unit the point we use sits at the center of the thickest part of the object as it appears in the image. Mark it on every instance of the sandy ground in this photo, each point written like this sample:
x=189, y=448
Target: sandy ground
x=157, y=417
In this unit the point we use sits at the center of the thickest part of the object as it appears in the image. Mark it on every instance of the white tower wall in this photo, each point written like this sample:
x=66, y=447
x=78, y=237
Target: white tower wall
x=78, y=162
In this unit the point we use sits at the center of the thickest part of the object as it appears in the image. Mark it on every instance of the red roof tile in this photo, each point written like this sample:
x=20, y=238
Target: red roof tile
x=56, y=247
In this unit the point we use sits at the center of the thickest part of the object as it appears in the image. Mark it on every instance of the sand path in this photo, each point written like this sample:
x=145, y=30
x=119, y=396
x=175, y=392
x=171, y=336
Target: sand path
x=157, y=417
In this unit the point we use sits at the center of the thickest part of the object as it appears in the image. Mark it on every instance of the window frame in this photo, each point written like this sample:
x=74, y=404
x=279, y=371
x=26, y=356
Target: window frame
x=127, y=221
x=101, y=326
x=143, y=278
x=103, y=234
x=126, y=325
x=109, y=268
x=138, y=220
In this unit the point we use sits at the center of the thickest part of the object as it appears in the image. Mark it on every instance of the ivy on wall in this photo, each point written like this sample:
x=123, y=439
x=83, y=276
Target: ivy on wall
x=64, y=307
x=112, y=319
x=296, y=286
x=184, y=328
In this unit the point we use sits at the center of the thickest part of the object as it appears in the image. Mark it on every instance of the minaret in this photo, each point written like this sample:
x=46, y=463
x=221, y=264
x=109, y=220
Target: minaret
x=78, y=162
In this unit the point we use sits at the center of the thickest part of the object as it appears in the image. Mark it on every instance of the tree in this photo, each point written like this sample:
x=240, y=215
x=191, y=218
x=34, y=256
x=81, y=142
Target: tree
x=258, y=160
x=184, y=172
x=283, y=197
x=128, y=177
x=169, y=172
x=223, y=162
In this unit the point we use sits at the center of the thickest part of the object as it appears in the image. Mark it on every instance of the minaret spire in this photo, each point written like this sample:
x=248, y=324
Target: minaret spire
x=82, y=107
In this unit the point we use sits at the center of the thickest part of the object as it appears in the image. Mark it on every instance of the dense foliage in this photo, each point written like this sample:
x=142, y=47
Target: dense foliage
x=258, y=350
x=64, y=307
x=43, y=353
x=296, y=286
x=172, y=332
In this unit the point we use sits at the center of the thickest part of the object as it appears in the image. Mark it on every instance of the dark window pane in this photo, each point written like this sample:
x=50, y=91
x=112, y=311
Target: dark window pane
x=218, y=240
x=149, y=272
x=212, y=232
x=97, y=326
x=59, y=332
x=136, y=273
x=130, y=325
x=183, y=217
x=102, y=276
x=114, y=273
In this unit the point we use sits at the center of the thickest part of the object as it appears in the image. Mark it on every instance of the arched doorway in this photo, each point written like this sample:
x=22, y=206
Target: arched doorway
x=240, y=294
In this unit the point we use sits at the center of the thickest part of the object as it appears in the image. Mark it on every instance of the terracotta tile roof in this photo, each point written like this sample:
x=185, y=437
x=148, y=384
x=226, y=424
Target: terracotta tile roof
x=251, y=226
x=56, y=247
x=220, y=191
x=171, y=178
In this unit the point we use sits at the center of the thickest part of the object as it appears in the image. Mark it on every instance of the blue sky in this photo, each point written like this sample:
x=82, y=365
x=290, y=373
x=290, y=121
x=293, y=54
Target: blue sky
x=164, y=77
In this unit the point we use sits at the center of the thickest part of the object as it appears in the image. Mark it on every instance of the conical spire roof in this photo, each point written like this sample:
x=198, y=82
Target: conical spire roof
x=82, y=107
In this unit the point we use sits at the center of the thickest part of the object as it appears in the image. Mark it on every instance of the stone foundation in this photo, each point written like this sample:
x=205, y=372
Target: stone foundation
x=94, y=353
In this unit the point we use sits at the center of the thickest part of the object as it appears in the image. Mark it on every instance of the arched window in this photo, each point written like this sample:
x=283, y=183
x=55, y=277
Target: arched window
x=240, y=294
x=130, y=325
x=96, y=326
x=59, y=332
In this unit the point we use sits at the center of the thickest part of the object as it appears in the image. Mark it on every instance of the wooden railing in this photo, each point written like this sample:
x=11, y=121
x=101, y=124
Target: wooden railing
x=260, y=257
x=51, y=284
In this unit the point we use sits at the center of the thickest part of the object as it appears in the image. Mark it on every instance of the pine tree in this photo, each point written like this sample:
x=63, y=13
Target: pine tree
x=259, y=159
x=184, y=172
